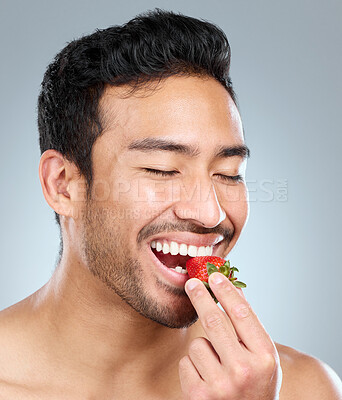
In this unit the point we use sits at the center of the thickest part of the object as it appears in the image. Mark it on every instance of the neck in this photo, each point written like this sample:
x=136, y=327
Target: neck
x=94, y=332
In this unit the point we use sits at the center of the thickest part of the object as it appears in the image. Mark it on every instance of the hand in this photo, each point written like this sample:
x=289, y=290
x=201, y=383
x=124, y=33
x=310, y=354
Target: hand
x=240, y=362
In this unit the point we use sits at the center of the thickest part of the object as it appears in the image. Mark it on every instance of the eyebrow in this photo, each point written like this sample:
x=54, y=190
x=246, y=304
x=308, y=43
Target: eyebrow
x=159, y=144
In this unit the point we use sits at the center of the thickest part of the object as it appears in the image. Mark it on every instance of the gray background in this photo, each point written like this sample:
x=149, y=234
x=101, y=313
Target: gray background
x=286, y=67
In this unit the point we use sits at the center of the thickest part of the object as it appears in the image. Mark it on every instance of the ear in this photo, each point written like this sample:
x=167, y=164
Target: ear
x=57, y=177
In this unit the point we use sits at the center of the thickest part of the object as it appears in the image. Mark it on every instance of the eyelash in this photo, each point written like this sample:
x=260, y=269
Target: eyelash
x=236, y=178
x=160, y=172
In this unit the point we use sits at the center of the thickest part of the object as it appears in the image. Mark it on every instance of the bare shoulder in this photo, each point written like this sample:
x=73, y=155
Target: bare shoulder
x=10, y=391
x=306, y=377
x=13, y=352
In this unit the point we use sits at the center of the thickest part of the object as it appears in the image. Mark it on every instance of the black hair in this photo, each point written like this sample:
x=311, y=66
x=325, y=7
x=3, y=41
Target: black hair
x=152, y=46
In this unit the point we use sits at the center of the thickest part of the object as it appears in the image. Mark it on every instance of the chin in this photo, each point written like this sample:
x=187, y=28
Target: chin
x=169, y=307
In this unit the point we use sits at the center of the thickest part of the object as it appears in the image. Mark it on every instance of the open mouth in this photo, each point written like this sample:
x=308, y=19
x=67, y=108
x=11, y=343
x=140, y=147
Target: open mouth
x=175, y=255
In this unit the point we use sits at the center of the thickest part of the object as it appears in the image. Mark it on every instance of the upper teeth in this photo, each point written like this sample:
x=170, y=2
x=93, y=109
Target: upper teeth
x=175, y=248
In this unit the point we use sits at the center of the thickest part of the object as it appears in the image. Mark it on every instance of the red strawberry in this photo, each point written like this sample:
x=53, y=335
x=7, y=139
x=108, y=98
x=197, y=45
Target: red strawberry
x=202, y=267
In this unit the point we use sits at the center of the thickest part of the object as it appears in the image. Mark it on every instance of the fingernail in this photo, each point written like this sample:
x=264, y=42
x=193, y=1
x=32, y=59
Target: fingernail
x=217, y=278
x=192, y=284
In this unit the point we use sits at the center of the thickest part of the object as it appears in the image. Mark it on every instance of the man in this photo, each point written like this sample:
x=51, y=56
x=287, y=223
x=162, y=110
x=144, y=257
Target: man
x=143, y=149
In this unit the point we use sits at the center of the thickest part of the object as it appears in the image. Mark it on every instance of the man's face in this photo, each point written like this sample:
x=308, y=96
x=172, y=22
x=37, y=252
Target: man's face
x=181, y=129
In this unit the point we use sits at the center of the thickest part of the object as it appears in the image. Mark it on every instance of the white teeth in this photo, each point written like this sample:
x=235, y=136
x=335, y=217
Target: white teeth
x=174, y=248
x=166, y=248
x=209, y=250
x=202, y=251
x=183, y=249
x=180, y=270
x=192, y=251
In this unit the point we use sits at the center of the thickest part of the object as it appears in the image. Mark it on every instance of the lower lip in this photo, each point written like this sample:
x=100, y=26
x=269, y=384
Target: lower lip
x=173, y=277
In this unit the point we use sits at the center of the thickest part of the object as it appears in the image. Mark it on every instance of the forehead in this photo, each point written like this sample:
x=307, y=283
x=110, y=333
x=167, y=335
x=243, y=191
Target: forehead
x=186, y=109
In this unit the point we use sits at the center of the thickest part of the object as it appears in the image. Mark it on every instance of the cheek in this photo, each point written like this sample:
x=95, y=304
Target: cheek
x=146, y=200
x=234, y=200
x=157, y=192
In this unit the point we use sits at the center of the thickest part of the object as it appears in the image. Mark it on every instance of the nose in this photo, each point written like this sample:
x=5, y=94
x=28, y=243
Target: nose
x=199, y=203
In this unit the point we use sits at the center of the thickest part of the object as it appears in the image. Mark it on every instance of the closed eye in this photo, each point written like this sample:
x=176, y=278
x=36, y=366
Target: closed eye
x=160, y=172
x=227, y=178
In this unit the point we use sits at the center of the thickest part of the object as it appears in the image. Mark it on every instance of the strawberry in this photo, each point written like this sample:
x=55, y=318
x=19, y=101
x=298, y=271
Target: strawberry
x=202, y=267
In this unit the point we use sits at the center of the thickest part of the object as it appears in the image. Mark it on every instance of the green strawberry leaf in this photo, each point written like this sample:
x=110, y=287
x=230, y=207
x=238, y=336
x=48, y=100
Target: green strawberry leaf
x=211, y=268
x=235, y=269
x=227, y=263
x=239, y=284
x=224, y=270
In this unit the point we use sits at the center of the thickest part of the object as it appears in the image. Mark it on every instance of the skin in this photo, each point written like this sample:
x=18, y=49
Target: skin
x=100, y=328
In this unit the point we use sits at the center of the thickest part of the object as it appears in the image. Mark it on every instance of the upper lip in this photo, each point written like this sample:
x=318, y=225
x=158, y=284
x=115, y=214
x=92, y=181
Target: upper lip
x=189, y=238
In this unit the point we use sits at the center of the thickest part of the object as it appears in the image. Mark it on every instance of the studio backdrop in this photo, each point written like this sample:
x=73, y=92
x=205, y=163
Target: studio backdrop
x=286, y=70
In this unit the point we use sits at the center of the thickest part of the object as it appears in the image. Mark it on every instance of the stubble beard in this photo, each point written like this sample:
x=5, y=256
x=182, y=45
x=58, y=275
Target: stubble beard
x=109, y=259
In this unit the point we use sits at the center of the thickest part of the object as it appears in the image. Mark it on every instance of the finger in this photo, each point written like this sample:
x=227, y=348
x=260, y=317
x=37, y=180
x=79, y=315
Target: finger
x=246, y=323
x=205, y=359
x=231, y=325
x=214, y=321
x=188, y=375
x=241, y=293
